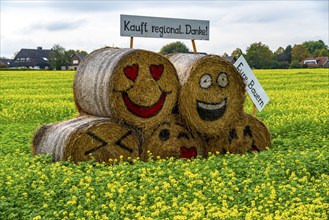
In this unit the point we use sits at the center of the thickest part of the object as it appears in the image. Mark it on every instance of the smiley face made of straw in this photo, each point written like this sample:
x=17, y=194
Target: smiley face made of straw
x=171, y=139
x=212, y=93
x=87, y=137
x=136, y=86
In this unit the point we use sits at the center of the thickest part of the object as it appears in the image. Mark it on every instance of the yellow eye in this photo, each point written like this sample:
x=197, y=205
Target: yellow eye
x=222, y=80
x=205, y=81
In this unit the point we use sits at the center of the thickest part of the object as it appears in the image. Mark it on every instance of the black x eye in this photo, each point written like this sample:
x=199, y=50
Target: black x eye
x=164, y=134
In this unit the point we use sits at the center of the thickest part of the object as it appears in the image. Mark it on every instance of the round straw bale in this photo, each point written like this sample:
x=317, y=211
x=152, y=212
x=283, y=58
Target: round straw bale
x=137, y=86
x=249, y=134
x=87, y=137
x=212, y=93
x=172, y=139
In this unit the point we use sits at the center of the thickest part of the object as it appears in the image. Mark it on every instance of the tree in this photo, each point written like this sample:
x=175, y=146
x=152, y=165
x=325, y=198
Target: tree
x=287, y=52
x=237, y=53
x=314, y=47
x=259, y=56
x=58, y=57
x=299, y=52
x=175, y=47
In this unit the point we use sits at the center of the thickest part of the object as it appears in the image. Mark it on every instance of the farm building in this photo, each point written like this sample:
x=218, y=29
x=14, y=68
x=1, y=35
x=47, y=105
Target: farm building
x=31, y=58
x=5, y=63
x=230, y=59
x=316, y=62
x=75, y=60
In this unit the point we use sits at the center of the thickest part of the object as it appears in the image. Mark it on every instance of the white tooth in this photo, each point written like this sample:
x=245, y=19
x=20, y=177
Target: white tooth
x=211, y=106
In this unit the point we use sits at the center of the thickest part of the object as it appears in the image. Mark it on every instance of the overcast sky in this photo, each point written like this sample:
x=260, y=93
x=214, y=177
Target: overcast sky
x=88, y=25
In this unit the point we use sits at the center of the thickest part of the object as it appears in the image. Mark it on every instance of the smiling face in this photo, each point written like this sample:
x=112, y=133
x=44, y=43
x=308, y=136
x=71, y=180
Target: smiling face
x=172, y=139
x=213, y=96
x=145, y=89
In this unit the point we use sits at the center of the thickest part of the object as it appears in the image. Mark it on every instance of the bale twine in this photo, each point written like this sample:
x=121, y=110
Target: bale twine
x=137, y=86
x=212, y=92
x=248, y=135
x=172, y=139
x=87, y=137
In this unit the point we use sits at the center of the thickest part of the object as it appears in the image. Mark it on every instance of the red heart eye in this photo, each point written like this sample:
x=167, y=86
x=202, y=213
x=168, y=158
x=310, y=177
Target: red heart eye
x=131, y=72
x=156, y=71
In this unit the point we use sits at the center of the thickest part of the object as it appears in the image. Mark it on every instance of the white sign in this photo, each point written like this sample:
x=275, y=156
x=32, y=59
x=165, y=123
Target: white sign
x=253, y=87
x=156, y=27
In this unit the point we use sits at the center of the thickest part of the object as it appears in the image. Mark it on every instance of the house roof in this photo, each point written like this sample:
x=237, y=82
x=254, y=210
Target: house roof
x=320, y=61
x=230, y=59
x=80, y=55
x=31, y=57
x=6, y=61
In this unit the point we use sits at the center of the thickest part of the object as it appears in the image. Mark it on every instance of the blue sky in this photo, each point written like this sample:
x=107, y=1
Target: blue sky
x=88, y=25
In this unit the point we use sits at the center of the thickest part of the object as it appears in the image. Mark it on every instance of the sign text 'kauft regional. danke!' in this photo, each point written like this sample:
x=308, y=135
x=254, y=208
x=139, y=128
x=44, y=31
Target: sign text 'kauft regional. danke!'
x=156, y=27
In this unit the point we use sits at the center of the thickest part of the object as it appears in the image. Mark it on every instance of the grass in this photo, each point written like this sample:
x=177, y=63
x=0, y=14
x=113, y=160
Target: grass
x=288, y=181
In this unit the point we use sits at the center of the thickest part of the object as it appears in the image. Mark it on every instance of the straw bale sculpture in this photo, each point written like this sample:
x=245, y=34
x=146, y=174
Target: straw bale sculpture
x=171, y=139
x=86, y=137
x=211, y=102
x=137, y=86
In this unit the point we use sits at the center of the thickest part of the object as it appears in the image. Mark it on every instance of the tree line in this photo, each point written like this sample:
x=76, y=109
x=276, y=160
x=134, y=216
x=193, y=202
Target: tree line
x=259, y=55
x=60, y=57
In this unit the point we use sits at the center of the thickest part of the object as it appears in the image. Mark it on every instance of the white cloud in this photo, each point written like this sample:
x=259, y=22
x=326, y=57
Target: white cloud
x=88, y=25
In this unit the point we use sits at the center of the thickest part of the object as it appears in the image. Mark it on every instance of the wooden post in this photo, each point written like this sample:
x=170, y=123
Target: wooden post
x=131, y=42
x=254, y=110
x=194, y=47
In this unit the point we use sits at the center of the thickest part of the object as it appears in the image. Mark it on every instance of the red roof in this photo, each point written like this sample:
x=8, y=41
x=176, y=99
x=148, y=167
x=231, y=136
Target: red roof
x=315, y=61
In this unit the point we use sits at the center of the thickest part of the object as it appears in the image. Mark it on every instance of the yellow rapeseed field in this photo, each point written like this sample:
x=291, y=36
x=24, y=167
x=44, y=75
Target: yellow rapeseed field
x=290, y=180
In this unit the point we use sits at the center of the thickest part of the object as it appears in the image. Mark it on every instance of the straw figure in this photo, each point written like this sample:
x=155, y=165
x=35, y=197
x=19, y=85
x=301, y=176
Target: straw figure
x=211, y=102
x=87, y=137
x=248, y=135
x=137, y=86
x=172, y=139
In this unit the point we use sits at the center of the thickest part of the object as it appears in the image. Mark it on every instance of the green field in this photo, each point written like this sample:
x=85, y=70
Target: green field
x=290, y=180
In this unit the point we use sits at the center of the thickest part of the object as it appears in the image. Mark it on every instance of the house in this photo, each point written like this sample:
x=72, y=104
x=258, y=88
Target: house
x=316, y=62
x=5, y=63
x=230, y=59
x=75, y=60
x=31, y=58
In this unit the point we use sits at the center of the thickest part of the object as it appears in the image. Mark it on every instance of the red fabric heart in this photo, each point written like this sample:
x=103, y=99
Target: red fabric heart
x=156, y=71
x=188, y=152
x=131, y=72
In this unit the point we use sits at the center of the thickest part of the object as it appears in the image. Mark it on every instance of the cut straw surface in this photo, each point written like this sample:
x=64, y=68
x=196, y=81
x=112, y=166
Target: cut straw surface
x=87, y=137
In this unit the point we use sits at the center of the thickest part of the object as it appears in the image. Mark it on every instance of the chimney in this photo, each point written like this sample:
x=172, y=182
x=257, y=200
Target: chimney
x=39, y=48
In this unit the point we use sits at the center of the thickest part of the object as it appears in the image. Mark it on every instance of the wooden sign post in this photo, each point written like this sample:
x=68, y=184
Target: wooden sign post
x=194, y=47
x=131, y=41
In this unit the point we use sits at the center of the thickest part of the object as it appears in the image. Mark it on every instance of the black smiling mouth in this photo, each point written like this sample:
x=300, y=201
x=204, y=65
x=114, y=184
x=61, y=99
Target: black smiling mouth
x=211, y=111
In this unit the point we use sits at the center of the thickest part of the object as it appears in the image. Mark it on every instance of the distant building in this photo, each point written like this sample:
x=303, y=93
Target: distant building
x=75, y=60
x=31, y=58
x=5, y=63
x=316, y=62
x=230, y=59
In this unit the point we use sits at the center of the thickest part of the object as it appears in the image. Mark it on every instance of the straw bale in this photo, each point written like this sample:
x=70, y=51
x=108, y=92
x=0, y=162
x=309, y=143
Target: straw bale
x=212, y=93
x=247, y=135
x=86, y=137
x=172, y=139
x=137, y=86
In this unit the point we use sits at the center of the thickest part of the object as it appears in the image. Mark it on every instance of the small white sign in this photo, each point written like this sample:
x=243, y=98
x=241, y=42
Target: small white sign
x=156, y=27
x=253, y=87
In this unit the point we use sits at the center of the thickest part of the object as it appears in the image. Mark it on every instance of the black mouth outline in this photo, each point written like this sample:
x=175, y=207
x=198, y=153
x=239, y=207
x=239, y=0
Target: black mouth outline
x=213, y=113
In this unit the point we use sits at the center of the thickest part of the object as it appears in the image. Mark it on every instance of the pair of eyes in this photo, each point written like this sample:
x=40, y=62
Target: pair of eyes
x=206, y=80
x=131, y=72
x=164, y=135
